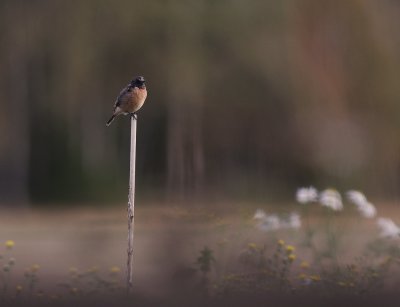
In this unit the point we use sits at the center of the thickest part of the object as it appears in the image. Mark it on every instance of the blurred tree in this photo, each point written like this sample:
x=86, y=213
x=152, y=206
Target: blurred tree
x=244, y=99
x=15, y=109
x=185, y=95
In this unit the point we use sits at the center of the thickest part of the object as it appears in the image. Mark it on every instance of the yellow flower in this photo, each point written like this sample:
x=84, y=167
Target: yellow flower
x=74, y=290
x=73, y=270
x=115, y=269
x=19, y=288
x=304, y=265
x=10, y=244
x=290, y=249
x=342, y=284
x=292, y=257
x=94, y=269
x=252, y=246
x=35, y=268
x=281, y=242
x=315, y=277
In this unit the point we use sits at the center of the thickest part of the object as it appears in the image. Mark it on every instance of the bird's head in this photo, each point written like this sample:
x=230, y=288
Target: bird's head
x=139, y=82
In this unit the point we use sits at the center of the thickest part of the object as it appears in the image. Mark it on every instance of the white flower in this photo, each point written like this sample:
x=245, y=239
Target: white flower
x=269, y=222
x=388, y=228
x=356, y=197
x=331, y=198
x=274, y=222
x=259, y=215
x=292, y=221
x=366, y=209
x=306, y=195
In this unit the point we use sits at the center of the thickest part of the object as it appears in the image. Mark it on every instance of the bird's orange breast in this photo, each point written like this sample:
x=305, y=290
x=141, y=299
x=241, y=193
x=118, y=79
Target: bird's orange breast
x=138, y=96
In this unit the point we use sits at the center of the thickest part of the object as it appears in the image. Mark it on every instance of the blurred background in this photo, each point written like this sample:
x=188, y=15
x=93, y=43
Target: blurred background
x=246, y=101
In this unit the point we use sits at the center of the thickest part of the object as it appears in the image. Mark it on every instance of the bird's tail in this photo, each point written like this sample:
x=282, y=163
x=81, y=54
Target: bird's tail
x=110, y=120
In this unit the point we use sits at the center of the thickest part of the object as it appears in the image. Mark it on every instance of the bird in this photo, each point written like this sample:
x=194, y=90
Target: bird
x=130, y=99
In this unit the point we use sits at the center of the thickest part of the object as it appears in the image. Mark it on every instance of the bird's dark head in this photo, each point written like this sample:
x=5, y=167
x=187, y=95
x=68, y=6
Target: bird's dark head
x=139, y=82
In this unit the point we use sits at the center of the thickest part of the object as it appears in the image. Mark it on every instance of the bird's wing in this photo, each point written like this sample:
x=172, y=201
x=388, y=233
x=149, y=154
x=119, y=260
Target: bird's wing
x=121, y=95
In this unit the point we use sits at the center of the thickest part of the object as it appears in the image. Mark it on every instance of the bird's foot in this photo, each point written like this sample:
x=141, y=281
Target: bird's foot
x=134, y=115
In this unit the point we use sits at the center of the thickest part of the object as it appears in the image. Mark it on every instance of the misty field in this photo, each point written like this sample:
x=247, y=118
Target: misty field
x=195, y=253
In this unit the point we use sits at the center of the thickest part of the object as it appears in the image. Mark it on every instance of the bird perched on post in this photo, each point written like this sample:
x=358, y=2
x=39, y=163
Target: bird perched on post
x=131, y=99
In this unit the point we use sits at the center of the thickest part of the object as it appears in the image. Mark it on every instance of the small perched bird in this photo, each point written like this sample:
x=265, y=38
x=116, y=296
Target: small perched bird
x=131, y=99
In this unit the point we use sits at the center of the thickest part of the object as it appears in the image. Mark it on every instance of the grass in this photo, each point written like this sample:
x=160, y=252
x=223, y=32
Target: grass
x=194, y=255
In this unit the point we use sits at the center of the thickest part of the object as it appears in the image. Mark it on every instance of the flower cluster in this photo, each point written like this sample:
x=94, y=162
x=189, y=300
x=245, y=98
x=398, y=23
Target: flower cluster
x=332, y=199
x=328, y=198
x=290, y=253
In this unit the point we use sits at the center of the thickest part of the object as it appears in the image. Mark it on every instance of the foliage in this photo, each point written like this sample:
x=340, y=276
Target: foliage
x=205, y=260
x=272, y=91
x=85, y=284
